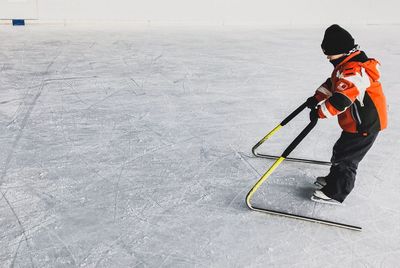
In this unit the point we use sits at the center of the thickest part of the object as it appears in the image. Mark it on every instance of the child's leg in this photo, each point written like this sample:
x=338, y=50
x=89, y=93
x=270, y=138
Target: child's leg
x=348, y=151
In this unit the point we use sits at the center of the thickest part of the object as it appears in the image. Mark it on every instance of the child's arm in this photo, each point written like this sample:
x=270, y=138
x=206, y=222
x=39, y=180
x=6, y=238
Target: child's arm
x=348, y=87
x=321, y=94
x=324, y=91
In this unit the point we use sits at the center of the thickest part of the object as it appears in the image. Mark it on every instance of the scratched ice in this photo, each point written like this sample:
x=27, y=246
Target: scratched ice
x=131, y=148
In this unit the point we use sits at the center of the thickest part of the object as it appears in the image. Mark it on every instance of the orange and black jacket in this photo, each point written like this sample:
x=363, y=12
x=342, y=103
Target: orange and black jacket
x=354, y=94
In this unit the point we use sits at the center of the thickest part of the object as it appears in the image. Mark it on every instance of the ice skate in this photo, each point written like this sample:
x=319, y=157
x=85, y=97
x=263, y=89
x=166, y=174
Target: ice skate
x=320, y=197
x=320, y=182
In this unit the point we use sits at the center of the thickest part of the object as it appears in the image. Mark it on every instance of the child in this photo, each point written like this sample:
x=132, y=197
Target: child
x=354, y=94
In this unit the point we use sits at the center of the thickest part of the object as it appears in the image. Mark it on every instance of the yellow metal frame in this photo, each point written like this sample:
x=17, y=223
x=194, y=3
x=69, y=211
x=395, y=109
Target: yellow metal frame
x=272, y=132
x=301, y=160
x=262, y=180
x=265, y=176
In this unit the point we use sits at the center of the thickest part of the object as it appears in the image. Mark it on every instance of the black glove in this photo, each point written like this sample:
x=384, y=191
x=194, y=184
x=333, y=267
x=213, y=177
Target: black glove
x=314, y=114
x=311, y=102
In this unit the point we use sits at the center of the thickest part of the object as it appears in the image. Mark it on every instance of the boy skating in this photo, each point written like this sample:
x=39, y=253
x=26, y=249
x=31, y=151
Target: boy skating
x=354, y=94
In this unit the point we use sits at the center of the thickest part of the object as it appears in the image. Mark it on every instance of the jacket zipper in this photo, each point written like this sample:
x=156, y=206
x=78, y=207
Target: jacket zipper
x=355, y=114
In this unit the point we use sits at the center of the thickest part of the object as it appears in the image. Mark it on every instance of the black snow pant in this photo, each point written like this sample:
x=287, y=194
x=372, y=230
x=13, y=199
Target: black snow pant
x=348, y=151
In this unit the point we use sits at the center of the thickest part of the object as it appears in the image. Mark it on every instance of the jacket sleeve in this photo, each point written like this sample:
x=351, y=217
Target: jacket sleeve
x=324, y=91
x=351, y=85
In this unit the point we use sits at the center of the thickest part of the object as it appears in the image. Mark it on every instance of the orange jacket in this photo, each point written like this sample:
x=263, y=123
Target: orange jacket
x=355, y=95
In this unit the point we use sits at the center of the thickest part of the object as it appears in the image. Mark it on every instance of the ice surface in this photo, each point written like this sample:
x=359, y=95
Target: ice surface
x=131, y=148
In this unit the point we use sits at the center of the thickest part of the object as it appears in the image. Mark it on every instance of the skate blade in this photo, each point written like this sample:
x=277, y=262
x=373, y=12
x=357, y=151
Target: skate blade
x=324, y=201
x=317, y=184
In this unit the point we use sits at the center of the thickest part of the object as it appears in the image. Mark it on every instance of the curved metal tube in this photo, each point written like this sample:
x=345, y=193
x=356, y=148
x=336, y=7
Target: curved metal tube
x=265, y=176
x=272, y=132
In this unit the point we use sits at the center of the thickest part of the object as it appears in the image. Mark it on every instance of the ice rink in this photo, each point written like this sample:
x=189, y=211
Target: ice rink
x=131, y=147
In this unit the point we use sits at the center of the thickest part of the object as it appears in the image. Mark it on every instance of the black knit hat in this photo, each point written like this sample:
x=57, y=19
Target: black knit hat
x=337, y=41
